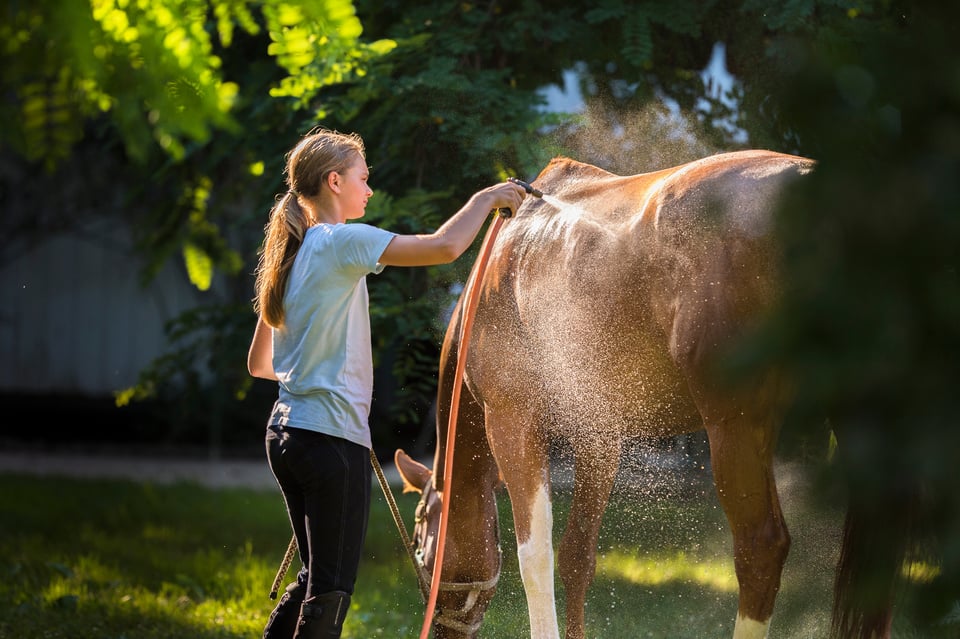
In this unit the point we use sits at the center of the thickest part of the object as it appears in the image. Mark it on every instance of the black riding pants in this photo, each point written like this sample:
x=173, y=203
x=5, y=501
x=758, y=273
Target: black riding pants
x=325, y=483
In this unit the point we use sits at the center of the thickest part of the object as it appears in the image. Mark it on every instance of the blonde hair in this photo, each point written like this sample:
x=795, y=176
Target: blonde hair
x=318, y=154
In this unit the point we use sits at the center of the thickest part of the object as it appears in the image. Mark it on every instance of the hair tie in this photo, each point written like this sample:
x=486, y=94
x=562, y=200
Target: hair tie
x=293, y=192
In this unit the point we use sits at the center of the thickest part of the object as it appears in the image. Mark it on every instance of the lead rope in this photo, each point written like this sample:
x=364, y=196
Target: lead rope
x=470, y=300
x=284, y=565
x=398, y=520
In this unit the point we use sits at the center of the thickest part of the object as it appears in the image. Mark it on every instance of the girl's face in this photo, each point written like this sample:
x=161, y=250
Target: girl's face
x=354, y=191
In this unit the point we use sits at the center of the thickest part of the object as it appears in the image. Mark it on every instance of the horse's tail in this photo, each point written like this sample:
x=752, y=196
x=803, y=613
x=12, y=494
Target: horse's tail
x=876, y=538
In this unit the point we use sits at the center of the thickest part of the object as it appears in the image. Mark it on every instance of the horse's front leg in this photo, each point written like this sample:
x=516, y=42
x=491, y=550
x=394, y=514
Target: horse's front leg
x=522, y=458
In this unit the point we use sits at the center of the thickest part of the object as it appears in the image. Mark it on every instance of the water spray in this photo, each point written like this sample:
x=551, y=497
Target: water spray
x=535, y=192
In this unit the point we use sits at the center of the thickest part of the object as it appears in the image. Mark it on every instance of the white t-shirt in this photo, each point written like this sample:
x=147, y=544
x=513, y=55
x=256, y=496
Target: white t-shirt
x=322, y=354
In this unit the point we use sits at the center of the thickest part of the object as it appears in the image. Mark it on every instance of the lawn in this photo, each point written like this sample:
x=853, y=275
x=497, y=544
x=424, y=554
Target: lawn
x=110, y=559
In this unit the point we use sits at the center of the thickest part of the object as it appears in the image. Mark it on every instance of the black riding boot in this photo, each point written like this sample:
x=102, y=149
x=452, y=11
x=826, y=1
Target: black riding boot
x=322, y=616
x=283, y=620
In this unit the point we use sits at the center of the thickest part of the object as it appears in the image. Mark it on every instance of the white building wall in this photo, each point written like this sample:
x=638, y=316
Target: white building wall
x=75, y=319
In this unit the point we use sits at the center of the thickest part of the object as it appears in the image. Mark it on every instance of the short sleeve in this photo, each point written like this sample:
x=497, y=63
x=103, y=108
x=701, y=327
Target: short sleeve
x=360, y=246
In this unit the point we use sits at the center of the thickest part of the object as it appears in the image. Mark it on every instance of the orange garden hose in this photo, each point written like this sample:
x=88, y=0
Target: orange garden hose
x=470, y=303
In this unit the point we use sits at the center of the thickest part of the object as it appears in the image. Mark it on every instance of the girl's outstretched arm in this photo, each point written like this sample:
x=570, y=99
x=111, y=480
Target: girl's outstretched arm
x=454, y=237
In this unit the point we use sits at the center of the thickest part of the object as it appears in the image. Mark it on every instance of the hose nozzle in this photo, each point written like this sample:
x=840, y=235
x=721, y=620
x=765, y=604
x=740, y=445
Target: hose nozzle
x=504, y=212
x=526, y=187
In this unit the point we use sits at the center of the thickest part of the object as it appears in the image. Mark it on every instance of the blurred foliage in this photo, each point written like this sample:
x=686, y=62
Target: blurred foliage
x=869, y=327
x=156, y=69
x=151, y=66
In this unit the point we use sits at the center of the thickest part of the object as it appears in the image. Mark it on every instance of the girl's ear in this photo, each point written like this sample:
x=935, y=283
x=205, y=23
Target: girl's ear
x=333, y=181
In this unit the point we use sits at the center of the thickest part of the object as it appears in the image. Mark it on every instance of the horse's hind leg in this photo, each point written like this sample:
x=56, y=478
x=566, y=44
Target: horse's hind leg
x=741, y=452
x=595, y=468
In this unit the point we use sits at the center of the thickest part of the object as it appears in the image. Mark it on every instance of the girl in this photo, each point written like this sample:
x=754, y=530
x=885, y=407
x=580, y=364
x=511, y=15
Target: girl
x=313, y=337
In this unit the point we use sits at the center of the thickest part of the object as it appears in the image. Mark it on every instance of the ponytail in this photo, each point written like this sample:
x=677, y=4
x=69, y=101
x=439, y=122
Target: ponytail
x=283, y=236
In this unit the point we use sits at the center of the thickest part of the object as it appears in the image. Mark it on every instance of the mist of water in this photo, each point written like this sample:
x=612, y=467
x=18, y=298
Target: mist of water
x=555, y=202
x=567, y=213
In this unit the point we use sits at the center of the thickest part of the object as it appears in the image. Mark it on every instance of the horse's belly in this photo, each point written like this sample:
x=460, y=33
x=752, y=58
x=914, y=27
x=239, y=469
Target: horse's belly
x=590, y=364
x=617, y=386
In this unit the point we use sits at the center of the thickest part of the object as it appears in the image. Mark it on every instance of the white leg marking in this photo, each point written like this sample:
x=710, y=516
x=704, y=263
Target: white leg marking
x=536, y=569
x=749, y=629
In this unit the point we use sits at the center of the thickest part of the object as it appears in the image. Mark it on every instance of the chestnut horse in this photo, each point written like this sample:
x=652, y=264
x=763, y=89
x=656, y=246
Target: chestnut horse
x=602, y=315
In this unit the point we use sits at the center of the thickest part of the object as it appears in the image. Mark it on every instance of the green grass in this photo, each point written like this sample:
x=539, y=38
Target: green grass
x=99, y=559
